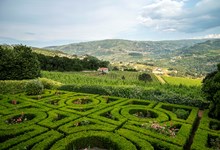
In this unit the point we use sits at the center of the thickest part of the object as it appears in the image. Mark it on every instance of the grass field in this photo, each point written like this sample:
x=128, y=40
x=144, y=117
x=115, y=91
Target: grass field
x=183, y=81
x=67, y=120
x=95, y=78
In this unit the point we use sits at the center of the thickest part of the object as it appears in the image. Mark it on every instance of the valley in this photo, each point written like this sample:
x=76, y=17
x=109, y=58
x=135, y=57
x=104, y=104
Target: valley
x=189, y=57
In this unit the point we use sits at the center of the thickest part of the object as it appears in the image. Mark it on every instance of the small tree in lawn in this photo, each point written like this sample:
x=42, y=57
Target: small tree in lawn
x=211, y=89
x=145, y=77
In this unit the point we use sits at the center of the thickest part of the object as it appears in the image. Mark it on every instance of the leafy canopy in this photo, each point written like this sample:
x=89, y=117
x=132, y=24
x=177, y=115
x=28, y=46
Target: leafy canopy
x=211, y=88
x=17, y=63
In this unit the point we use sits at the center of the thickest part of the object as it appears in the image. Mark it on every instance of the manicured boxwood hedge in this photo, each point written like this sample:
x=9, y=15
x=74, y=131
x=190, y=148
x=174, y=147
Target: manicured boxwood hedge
x=155, y=143
x=201, y=140
x=61, y=120
x=167, y=108
x=180, y=139
x=94, y=139
x=209, y=124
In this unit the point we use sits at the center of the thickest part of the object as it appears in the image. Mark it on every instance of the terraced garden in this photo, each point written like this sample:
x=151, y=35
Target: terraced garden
x=68, y=120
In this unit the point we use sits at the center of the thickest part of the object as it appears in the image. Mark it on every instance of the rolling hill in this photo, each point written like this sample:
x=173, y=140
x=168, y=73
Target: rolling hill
x=189, y=57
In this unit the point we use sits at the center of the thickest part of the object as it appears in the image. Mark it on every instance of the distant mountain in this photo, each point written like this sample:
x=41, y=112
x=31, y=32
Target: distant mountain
x=196, y=57
x=113, y=49
x=51, y=53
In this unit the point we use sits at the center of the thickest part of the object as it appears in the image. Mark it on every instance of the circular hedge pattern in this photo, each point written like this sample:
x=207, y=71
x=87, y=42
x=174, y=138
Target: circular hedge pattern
x=143, y=114
x=29, y=117
x=91, y=139
x=66, y=120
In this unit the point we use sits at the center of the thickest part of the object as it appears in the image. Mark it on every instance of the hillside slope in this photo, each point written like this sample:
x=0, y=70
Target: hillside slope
x=112, y=49
x=189, y=57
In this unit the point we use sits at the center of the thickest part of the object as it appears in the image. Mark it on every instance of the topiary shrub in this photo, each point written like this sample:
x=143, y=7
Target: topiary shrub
x=50, y=84
x=34, y=87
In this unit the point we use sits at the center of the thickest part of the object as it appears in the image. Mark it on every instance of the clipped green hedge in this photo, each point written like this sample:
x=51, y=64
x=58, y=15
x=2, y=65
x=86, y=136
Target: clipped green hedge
x=14, y=101
x=137, y=92
x=50, y=84
x=15, y=136
x=116, y=118
x=208, y=123
x=13, y=86
x=57, y=118
x=167, y=108
x=201, y=138
x=180, y=139
x=155, y=115
x=86, y=124
x=31, y=87
x=145, y=142
x=140, y=143
x=94, y=139
x=42, y=141
x=35, y=114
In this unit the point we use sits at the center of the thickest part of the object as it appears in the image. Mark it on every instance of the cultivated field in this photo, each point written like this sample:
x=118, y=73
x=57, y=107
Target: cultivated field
x=182, y=81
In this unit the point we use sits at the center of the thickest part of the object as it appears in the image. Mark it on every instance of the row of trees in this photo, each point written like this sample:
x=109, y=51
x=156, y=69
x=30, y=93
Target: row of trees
x=56, y=63
x=19, y=62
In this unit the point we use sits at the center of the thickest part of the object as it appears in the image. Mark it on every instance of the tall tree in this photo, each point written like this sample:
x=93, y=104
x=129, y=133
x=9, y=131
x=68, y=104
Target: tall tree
x=211, y=89
x=18, y=63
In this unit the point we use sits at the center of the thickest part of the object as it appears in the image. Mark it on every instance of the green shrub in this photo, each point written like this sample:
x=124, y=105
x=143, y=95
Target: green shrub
x=50, y=84
x=181, y=113
x=13, y=86
x=20, y=86
x=34, y=87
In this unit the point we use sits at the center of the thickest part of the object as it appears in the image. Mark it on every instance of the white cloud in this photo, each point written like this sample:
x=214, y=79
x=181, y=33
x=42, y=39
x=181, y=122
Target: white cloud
x=172, y=15
x=209, y=36
x=74, y=21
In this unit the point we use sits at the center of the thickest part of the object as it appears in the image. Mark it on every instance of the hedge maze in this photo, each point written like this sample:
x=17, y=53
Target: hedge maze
x=66, y=120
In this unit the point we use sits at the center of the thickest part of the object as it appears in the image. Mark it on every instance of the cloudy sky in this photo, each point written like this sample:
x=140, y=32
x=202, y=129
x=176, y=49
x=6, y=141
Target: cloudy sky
x=56, y=22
